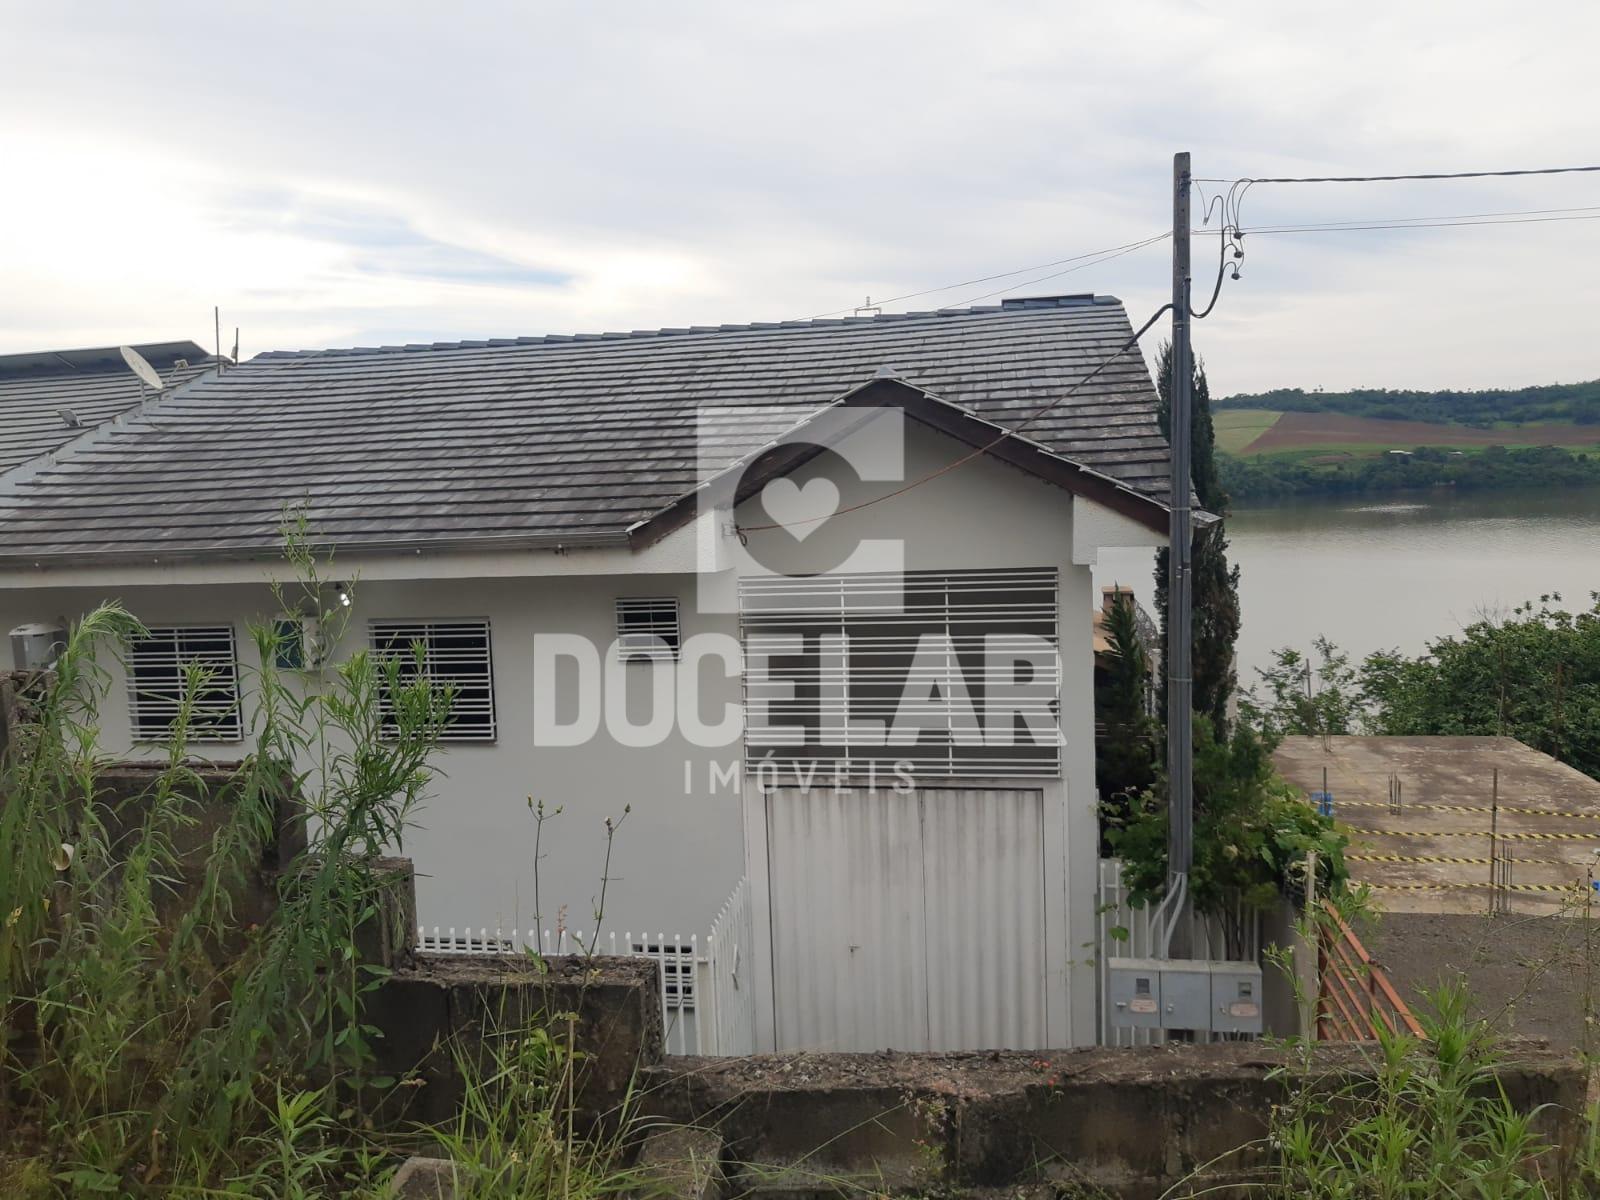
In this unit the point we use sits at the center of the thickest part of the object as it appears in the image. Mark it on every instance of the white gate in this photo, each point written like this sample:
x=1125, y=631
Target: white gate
x=908, y=920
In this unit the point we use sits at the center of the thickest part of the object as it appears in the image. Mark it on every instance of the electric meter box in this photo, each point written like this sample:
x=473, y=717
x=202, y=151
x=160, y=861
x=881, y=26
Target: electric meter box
x=1157, y=993
x=1235, y=997
x=1186, y=994
x=36, y=647
x=1134, y=987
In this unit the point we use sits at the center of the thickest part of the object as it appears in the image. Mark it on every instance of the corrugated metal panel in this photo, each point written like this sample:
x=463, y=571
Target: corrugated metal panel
x=984, y=855
x=907, y=921
x=849, y=969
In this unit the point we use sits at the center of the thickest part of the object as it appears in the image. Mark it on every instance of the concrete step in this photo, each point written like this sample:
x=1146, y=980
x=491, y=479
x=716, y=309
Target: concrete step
x=681, y=1163
x=424, y=1179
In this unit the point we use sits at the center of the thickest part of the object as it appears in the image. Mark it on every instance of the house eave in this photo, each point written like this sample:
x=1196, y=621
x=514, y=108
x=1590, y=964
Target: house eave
x=368, y=548
x=956, y=422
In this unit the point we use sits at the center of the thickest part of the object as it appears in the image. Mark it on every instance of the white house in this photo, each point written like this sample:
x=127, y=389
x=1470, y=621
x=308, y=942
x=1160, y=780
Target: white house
x=813, y=598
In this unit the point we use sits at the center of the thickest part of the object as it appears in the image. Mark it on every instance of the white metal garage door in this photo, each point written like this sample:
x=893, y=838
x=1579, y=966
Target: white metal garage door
x=911, y=921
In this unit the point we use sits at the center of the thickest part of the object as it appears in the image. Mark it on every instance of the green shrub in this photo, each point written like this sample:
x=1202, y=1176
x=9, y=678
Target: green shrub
x=1428, y=1121
x=1252, y=830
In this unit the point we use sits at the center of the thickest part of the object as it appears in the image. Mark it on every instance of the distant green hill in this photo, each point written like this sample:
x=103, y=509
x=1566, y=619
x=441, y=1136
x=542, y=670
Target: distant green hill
x=1575, y=402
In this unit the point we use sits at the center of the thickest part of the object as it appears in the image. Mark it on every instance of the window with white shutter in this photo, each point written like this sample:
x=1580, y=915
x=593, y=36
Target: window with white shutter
x=677, y=966
x=647, y=628
x=454, y=655
x=164, y=666
x=954, y=673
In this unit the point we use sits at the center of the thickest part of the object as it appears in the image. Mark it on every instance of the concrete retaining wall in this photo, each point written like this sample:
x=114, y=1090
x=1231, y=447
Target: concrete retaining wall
x=1132, y=1122
x=441, y=1010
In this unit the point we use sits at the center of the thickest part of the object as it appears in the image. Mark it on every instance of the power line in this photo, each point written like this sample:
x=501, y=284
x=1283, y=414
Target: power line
x=981, y=450
x=1402, y=222
x=1232, y=233
x=1109, y=250
x=1245, y=182
x=1398, y=178
x=1011, y=287
x=1356, y=228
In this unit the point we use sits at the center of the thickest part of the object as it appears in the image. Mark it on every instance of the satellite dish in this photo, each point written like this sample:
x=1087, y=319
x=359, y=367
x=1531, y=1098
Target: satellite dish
x=140, y=367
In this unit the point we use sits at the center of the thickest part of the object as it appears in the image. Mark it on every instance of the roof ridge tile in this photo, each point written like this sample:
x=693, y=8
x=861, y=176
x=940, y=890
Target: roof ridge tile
x=1018, y=304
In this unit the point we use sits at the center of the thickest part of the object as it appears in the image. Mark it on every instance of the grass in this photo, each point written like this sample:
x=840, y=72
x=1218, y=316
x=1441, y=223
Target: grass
x=1431, y=1120
x=153, y=1043
x=1238, y=431
x=1236, y=428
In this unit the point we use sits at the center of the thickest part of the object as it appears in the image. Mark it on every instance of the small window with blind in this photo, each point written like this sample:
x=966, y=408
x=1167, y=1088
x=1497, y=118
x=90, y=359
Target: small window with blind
x=187, y=673
x=647, y=629
x=451, y=654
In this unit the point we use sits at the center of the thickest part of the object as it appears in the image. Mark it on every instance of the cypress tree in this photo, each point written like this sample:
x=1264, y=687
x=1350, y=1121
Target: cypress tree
x=1216, y=582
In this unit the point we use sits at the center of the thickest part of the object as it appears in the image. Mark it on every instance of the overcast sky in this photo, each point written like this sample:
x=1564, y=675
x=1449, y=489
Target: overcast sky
x=352, y=174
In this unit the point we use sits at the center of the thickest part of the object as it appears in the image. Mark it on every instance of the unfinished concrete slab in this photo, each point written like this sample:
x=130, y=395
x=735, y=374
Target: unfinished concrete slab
x=1456, y=824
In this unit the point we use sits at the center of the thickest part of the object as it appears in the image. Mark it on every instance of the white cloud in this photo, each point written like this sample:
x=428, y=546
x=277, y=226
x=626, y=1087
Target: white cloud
x=335, y=174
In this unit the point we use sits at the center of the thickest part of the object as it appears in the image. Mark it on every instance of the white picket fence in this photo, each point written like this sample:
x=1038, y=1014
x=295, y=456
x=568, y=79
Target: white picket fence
x=706, y=1001
x=1125, y=932
x=730, y=1026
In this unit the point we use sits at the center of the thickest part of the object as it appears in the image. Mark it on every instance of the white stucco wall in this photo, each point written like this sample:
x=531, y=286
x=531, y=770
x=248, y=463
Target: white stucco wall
x=675, y=858
x=679, y=852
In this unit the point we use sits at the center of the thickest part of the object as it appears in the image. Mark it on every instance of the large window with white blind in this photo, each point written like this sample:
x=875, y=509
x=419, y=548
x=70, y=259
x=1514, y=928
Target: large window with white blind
x=452, y=654
x=946, y=674
x=188, y=672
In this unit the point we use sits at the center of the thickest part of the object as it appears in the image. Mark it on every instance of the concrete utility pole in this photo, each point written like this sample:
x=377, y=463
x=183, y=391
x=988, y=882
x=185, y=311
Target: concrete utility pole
x=1180, y=691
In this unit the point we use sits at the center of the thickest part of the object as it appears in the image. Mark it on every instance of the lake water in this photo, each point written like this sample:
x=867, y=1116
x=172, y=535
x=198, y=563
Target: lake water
x=1394, y=571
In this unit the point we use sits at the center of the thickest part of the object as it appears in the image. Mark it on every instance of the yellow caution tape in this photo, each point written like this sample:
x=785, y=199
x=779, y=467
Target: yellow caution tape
x=1442, y=858
x=1588, y=815
x=1448, y=887
x=1516, y=835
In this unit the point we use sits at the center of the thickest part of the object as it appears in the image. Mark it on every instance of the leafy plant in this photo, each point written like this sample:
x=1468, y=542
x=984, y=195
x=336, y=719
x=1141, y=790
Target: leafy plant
x=1427, y=1119
x=1317, y=694
x=153, y=1041
x=294, y=1158
x=1252, y=831
x=148, y=1028
x=1534, y=676
x=515, y=1136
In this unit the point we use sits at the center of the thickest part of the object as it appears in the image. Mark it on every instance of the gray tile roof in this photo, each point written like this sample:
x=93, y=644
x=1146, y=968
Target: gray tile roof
x=562, y=437
x=37, y=390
